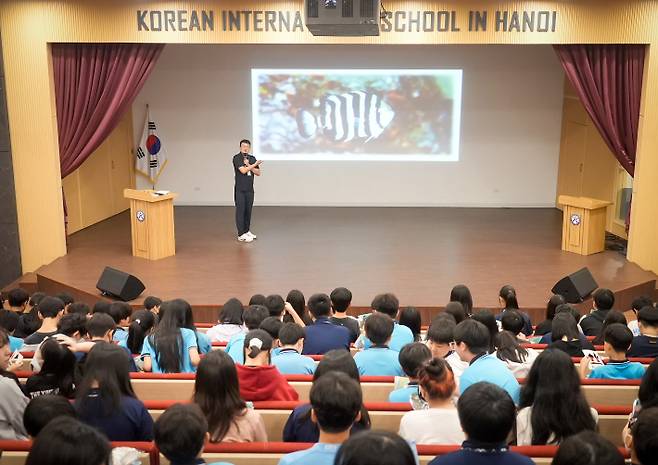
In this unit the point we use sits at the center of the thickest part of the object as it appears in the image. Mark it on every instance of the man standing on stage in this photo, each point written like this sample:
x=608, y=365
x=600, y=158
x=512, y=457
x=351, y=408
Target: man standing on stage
x=246, y=166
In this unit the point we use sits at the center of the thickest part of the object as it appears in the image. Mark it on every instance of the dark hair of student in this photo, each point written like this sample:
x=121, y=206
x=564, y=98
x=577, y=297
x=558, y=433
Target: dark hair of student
x=17, y=297
x=290, y=334
x=587, y=448
x=336, y=400
x=257, y=341
x=474, y=334
x=180, y=433
x=31, y=321
x=245, y=141
x=386, y=303
x=558, y=408
x=217, y=393
x=604, y=299
x=461, y=293
x=49, y=307
x=257, y=299
x=410, y=317
x=72, y=323
x=65, y=297
x=42, y=410
x=59, y=362
x=563, y=325
x=124, y=310
x=641, y=302
x=340, y=360
x=509, y=348
x=379, y=328
x=437, y=379
x=375, y=448
x=615, y=332
x=254, y=316
x=488, y=319
x=442, y=329
x=107, y=366
x=553, y=302
x=570, y=309
x=272, y=325
x=166, y=339
x=79, y=308
x=188, y=322
x=298, y=301
x=648, y=393
x=341, y=299
x=508, y=294
x=141, y=325
x=102, y=306
x=648, y=316
x=231, y=312
x=512, y=321
x=9, y=320
x=319, y=305
x=412, y=356
x=151, y=302
x=645, y=435
x=67, y=441
x=486, y=413
x=275, y=304
x=456, y=309
x=99, y=324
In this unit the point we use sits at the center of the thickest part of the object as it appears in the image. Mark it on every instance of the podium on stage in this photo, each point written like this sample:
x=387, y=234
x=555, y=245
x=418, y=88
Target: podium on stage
x=152, y=223
x=583, y=225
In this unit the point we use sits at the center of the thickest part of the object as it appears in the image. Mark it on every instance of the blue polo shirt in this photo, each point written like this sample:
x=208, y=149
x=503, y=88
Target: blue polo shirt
x=401, y=337
x=15, y=343
x=378, y=361
x=189, y=341
x=403, y=394
x=323, y=336
x=235, y=348
x=290, y=362
x=203, y=340
x=319, y=454
x=489, y=368
x=120, y=335
x=618, y=370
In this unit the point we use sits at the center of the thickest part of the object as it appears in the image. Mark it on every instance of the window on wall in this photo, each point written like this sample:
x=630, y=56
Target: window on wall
x=623, y=195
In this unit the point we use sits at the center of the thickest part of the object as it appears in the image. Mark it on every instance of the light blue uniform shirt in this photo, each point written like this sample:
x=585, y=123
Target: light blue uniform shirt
x=189, y=341
x=401, y=337
x=205, y=345
x=618, y=370
x=491, y=369
x=15, y=343
x=291, y=362
x=235, y=348
x=404, y=394
x=378, y=361
x=120, y=335
x=319, y=454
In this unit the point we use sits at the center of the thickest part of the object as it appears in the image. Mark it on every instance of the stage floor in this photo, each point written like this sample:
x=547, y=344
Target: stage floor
x=417, y=253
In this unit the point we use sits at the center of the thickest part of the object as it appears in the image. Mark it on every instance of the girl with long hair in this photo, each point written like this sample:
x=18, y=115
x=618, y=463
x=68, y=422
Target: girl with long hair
x=297, y=300
x=142, y=323
x=553, y=405
x=217, y=393
x=410, y=317
x=229, y=323
x=545, y=326
x=203, y=341
x=172, y=348
x=508, y=301
x=106, y=400
x=566, y=337
x=57, y=372
x=517, y=358
x=462, y=294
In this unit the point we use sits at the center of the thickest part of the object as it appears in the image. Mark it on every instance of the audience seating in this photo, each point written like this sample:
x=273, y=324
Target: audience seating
x=15, y=452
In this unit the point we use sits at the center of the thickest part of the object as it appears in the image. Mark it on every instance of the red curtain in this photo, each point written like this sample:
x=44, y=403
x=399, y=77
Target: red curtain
x=608, y=81
x=94, y=85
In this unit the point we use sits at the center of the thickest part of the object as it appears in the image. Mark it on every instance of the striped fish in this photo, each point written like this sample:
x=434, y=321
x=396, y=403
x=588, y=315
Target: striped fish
x=346, y=117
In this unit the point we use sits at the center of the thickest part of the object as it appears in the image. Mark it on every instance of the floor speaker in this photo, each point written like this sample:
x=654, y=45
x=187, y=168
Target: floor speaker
x=576, y=287
x=118, y=284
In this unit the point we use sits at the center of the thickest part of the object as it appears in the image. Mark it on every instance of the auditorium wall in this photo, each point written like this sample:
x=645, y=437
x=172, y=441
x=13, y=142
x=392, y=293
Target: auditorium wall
x=510, y=132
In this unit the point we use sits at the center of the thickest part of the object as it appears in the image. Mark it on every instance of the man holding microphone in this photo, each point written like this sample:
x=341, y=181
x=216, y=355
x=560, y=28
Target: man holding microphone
x=246, y=167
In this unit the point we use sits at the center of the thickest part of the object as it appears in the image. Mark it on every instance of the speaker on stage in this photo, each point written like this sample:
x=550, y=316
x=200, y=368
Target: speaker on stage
x=118, y=284
x=575, y=287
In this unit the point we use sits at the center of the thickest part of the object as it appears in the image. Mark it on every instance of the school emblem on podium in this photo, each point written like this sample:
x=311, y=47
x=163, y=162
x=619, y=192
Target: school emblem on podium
x=140, y=215
x=575, y=219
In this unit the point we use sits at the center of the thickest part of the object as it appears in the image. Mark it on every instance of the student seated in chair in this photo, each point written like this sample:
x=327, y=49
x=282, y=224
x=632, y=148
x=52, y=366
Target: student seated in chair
x=288, y=359
x=440, y=339
x=323, y=336
x=388, y=304
x=253, y=317
x=379, y=359
x=336, y=401
x=411, y=357
x=617, y=340
x=51, y=310
x=646, y=345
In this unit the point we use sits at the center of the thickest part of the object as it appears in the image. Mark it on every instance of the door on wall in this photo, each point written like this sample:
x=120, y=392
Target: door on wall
x=572, y=161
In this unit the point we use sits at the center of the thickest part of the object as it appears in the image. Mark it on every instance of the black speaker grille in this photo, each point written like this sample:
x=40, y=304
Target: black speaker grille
x=312, y=8
x=348, y=8
x=368, y=8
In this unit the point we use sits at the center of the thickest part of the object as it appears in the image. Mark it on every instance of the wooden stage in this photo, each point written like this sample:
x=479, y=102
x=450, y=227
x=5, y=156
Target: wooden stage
x=417, y=253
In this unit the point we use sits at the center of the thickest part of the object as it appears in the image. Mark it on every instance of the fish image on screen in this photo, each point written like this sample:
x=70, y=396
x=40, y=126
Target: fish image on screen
x=356, y=114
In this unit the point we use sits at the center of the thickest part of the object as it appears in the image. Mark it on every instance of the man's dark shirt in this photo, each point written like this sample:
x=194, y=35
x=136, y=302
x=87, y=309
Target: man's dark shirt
x=243, y=182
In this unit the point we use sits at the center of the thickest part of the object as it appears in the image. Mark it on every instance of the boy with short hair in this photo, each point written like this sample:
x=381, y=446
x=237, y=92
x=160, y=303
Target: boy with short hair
x=253, y=317
x=43, y=409
x=341, y=298
x=646, y=345
x=120, y=312
x=487, y=414
x=441, y=342
x=388, y=304
x=637, y=305
x=181, y=433
x=644, y=446
x=152, y=304
x=617, y=340
x=323, y=336
x=17, y=300
x=289, y=359
x=51, y=310
x=411, y=357
x=336, y=401
x=379, y=359
x=513, y=322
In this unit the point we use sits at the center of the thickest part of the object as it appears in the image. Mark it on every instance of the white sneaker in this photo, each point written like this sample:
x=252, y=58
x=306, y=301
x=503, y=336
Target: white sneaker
x=250, y=234
x=245, y=238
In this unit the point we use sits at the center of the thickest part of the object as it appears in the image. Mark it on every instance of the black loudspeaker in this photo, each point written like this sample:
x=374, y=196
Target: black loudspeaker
x=576, y=287
x=120, y=285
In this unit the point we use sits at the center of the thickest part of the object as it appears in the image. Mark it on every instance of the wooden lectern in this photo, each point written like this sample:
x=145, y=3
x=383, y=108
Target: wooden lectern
x=583, y=225
x=152, y=221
